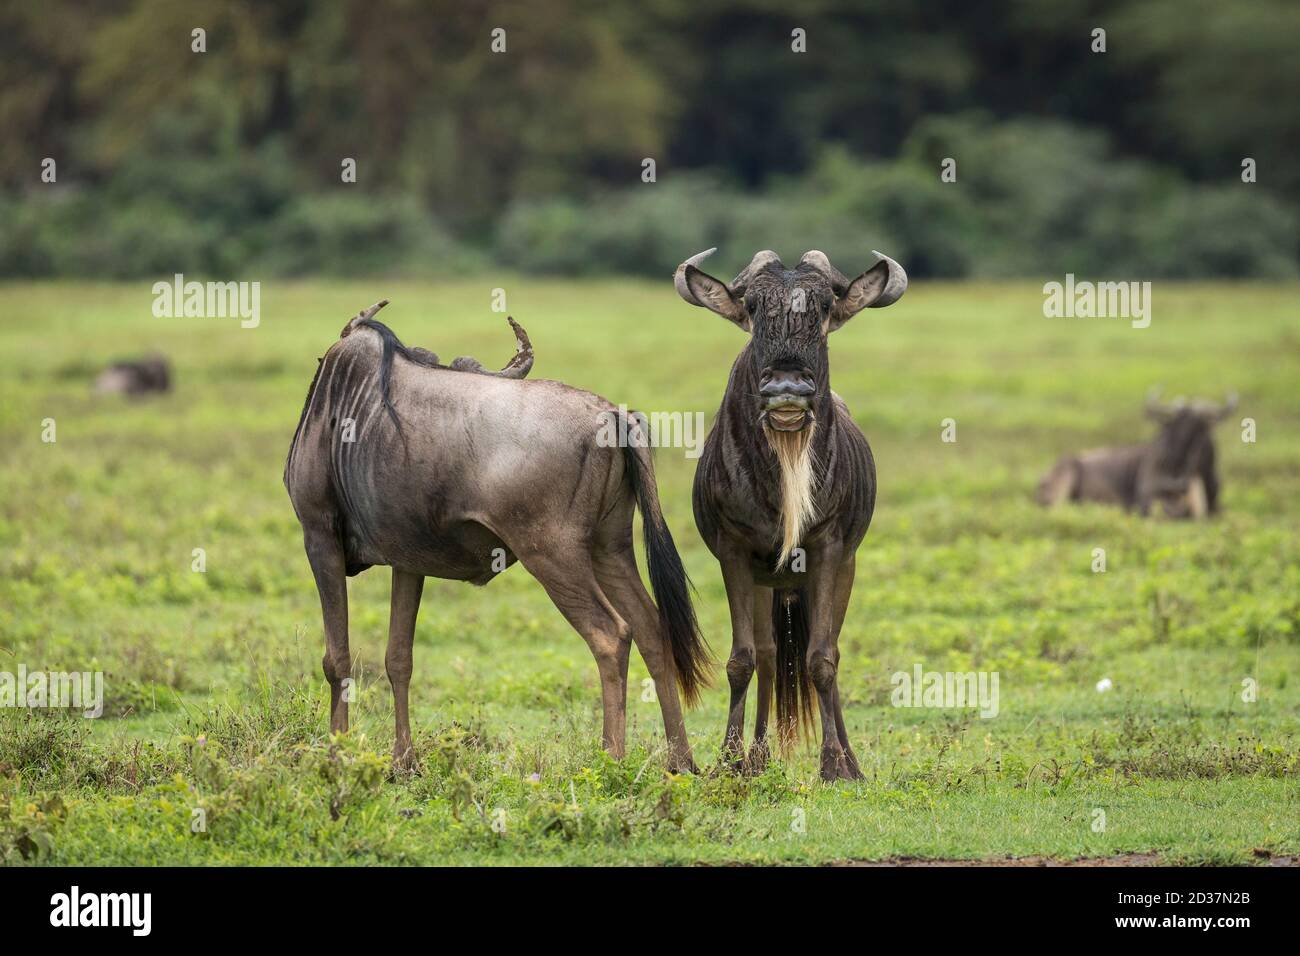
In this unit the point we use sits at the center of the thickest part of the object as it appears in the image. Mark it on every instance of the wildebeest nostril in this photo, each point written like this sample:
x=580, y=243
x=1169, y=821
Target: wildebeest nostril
x=786, y=386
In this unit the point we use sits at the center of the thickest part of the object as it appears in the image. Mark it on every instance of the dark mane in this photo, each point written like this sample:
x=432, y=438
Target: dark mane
x=393, y=346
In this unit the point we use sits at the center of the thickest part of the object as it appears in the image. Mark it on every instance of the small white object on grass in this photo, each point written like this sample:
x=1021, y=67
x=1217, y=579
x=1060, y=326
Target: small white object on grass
x=1104, y=685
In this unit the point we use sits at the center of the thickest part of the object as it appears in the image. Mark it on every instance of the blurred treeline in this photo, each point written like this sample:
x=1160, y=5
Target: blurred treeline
x=1125, y=163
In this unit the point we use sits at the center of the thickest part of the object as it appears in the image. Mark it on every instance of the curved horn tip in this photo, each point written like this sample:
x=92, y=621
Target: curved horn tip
x=679, y=275
x=896, y=284
x=695, y=260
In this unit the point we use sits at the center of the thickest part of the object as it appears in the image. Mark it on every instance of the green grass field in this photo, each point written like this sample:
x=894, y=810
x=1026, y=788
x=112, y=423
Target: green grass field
x=215, y=700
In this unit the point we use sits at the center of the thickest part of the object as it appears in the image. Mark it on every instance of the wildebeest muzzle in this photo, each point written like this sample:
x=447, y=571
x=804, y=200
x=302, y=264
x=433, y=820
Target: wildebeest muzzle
x=786, y=398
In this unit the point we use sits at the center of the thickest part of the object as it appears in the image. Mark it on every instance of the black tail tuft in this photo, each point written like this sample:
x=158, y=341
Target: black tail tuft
x=668, y=580
x=794, y=690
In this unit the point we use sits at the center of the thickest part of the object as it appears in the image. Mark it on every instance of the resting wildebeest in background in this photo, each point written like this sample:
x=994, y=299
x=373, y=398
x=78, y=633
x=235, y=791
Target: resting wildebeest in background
x=135, y=377
x=1175, y=469
x=456, y=472
x=785, y=467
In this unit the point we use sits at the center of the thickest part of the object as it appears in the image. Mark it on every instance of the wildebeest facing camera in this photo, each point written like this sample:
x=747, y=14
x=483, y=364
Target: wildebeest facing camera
x=815, y=518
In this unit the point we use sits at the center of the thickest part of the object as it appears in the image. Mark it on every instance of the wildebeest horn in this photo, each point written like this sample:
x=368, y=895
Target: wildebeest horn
x=679, y=277
x=756, y=265
x=1164, y=411
x=736, y=286
x=1215, y=411
x=517, y=367
x=818, y=260
x=895, y=285
x=881, y=285
x=697, y=287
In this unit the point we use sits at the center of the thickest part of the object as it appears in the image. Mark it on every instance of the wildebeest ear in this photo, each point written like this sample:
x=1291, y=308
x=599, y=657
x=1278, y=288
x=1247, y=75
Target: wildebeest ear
x=713, y=294
x=881, y=285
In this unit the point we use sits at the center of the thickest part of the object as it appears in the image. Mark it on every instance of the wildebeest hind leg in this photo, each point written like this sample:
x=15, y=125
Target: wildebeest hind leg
x=568, y=575
x=619, y=579
x=407, y=588
x=327, y=565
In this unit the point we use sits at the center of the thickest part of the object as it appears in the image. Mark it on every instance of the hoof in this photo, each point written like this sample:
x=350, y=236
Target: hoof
x=405, y=764
x=836, y=765
x=756, y=760
x=732, y=757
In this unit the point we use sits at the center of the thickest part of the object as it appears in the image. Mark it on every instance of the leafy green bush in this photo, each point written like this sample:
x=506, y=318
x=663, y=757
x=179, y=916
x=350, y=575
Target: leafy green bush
x=638, y=231
x=357, y=234
x=1031, y=197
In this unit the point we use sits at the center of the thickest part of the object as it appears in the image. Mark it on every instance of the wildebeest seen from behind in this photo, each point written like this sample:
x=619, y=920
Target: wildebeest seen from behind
x=1175, y=470
x=456, y=472
x=784, y=468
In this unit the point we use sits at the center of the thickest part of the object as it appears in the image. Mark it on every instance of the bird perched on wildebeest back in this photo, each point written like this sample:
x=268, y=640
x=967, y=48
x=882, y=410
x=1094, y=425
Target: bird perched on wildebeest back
x=455, y=472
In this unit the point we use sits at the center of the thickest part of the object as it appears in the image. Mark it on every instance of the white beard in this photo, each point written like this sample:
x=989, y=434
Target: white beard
x=798, y=466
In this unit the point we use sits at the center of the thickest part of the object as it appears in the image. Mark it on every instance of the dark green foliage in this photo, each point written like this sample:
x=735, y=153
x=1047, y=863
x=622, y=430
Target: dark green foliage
x=228, y=161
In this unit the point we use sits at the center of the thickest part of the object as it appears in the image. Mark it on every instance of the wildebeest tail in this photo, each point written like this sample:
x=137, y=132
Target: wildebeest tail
x=794, y=690
x=668, y=578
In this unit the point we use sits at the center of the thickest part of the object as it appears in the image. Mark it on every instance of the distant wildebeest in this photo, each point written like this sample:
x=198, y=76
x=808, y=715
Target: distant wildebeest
x=1175, y=469
x=786, y=468
x=135, y=377
x=455, y=472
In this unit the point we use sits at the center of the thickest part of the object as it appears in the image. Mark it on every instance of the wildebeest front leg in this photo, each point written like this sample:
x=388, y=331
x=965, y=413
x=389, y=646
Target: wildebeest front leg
x=407, y=588
x=765, y=654
x=823, y=662
x=843, y=591
x=327, y=566
x=739, y=581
